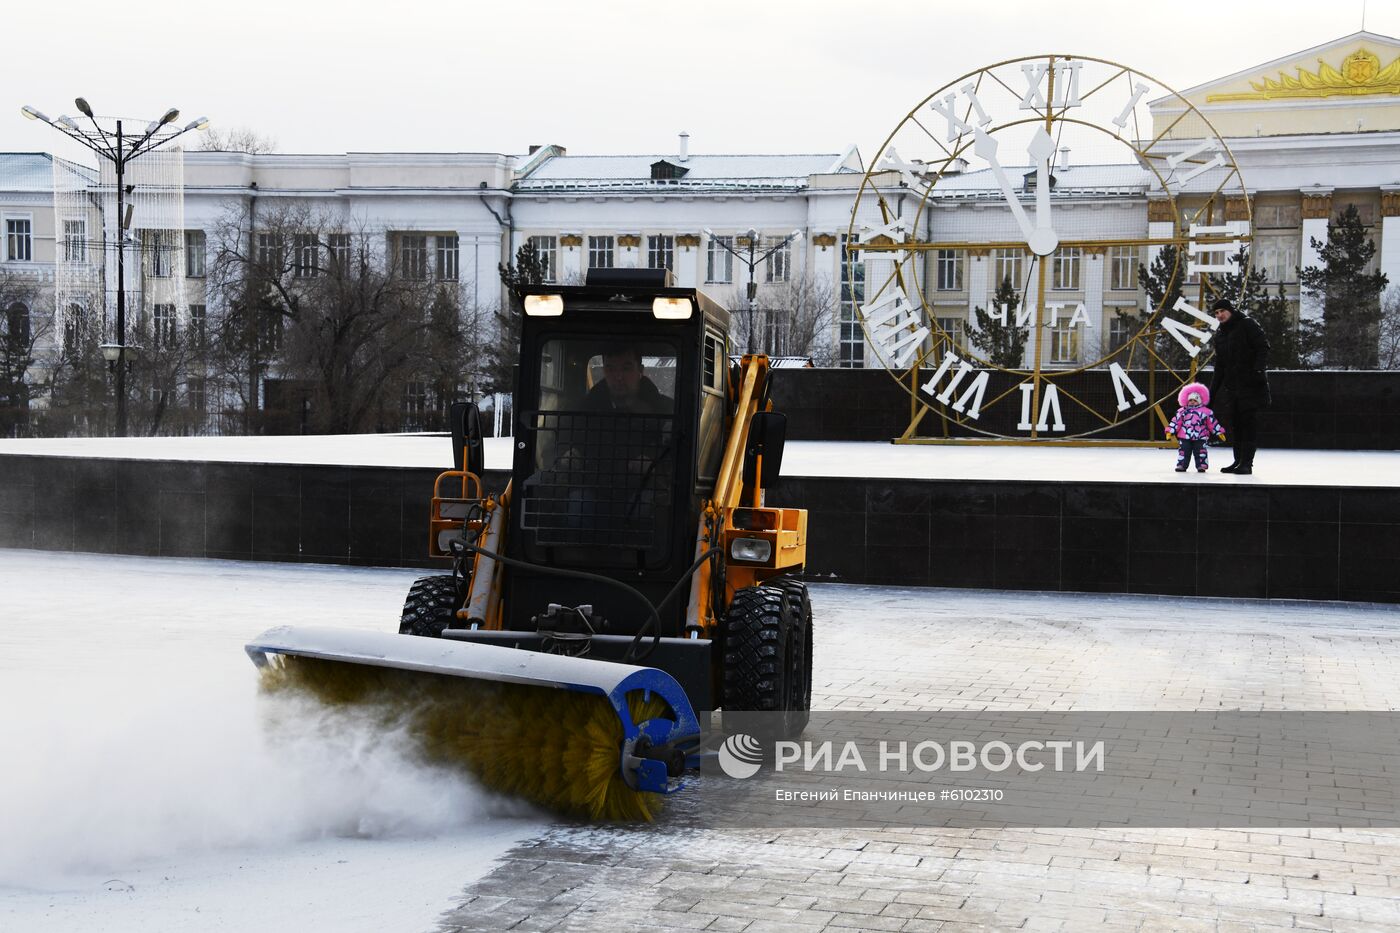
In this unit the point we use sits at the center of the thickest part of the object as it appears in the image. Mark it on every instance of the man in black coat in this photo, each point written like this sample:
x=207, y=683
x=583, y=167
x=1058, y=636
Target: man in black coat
x=1241, y=358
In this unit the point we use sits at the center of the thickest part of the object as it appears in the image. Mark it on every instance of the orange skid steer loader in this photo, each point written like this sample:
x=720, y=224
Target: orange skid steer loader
x=629, y=581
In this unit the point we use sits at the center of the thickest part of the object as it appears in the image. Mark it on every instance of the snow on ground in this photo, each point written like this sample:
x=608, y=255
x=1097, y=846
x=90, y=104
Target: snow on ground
x=142, y=790
x=801, y=458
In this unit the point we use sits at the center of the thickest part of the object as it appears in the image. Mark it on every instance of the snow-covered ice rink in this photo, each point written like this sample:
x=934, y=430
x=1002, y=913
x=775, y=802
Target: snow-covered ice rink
x=140, y=791
x=800, y=458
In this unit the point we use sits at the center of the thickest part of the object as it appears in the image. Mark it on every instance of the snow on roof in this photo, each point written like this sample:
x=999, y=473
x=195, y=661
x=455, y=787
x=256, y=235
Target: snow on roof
x=1077, y=179
x=33, y=171
x=716, y=171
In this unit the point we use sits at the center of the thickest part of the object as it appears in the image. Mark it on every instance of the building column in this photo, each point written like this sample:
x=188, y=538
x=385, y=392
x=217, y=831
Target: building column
x=571, y=260
x=1092, y=339
x=1317, y=209
x=978, y=289
x=629, y=250
x=1390, y=234
x=688, y=259
x=1161, y=225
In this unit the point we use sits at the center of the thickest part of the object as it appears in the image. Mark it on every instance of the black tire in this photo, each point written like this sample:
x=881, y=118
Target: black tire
x=800, y=655
x=430, y=607
x=757, y=692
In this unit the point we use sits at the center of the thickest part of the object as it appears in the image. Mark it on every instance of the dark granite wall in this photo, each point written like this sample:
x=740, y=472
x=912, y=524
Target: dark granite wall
x=1289, y=542
x=1325, y=410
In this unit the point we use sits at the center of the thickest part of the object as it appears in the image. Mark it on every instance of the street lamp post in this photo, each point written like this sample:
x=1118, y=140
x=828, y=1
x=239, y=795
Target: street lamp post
x=753, y=259
x=114, y=146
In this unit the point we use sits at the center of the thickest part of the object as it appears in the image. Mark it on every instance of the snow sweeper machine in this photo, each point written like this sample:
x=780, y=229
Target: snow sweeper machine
x=629, y=580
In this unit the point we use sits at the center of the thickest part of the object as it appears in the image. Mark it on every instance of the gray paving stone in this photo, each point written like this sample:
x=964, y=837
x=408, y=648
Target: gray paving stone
x=1005, y=651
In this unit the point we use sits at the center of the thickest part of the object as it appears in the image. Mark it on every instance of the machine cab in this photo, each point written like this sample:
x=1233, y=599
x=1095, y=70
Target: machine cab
x=619, y=427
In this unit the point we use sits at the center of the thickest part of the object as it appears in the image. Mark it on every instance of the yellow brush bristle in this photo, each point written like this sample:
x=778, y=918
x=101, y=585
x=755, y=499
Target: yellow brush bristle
x=556, y=748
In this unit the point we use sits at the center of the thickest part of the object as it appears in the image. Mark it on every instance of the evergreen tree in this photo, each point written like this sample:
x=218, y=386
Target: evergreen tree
x=1292, y=343
x=1003, y=343
x=527, y=270
x=1349, y=294
x=1161, y=281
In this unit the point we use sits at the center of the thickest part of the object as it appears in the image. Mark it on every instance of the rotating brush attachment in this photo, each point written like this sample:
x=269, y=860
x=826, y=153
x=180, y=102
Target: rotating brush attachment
x=556, y=748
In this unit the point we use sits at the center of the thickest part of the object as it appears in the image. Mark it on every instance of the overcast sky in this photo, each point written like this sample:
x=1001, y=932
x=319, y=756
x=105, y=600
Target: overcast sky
x=738, y=75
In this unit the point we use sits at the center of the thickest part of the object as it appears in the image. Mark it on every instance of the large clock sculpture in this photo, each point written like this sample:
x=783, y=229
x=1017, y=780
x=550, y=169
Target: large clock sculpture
x=1034, y=259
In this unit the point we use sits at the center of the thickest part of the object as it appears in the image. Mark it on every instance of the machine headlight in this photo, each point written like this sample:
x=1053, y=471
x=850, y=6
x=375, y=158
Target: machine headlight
x=544, y=305
x=672, y=309
x=757, y=550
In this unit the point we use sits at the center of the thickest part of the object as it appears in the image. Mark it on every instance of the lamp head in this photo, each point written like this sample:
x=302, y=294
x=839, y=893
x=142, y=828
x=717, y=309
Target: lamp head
x=32, y=114
x=171, y=116
x=83, y=107
x=199, y=123
x=67, y=123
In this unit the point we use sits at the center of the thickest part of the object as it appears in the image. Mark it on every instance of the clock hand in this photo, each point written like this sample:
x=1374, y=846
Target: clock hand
x=1042, y=150
x=986, y=148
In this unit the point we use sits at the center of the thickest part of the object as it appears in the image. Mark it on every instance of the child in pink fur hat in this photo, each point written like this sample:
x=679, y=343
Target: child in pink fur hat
x=1192, y=426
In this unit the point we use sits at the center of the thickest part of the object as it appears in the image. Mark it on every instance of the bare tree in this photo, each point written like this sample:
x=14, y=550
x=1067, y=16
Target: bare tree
x=21, y=330
x=79, y=397
x=236, y=139
x=1389, y=355
x=791, y=318
x=341, y=320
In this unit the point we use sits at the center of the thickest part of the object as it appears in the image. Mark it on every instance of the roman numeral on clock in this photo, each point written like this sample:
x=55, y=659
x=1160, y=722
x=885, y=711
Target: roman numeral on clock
x=895, y=328
x=972, y=396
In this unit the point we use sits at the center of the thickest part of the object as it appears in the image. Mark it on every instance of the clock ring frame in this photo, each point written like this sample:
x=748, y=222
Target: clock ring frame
x=1149, y=333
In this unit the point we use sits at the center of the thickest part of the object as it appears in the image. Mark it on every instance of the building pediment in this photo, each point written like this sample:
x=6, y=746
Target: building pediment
x=1348, y=85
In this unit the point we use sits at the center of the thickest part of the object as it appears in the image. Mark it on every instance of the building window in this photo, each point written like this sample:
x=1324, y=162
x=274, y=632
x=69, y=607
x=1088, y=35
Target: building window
x=851, y=349
x=194, y=254
x=195, y=394
x=1121, y=329
x=547, y=249
x=415, y=406
x=338, y=250
x=1277, y=256
x=1123, y=262
x=413, y=256
x=1066, y=269
x=661, y=252
x=600, y=252
x=162, y=252
x=1010, y=265
x=306, y=255
x=955, y=328
x=448, y=257
x=1064, y=343
x=270, y=252
x=75, y=241
x=780, y=263
x=17, y=324
x=19, y=240
x=719, y=261
x=163, y=331
x=73, y=329
x=199, y=321
x=950, y=270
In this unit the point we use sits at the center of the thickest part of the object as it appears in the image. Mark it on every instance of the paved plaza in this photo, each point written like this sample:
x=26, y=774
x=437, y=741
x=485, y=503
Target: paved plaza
x=927, y=649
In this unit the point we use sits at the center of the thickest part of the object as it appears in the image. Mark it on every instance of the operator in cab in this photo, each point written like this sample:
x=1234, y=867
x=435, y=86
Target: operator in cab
x=625, y=387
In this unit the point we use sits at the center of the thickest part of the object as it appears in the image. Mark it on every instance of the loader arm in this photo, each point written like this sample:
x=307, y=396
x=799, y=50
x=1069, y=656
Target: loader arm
x=736, y=512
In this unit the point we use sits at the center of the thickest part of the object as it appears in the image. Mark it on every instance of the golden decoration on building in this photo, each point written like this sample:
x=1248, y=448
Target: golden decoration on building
x=571, y=239
x=688, y=240
x=1390, y=203
x=1317, y=206
x=824, y=240
x=1160, y=211
x=629, y=240
x=1237, y=209
x=1361, y=75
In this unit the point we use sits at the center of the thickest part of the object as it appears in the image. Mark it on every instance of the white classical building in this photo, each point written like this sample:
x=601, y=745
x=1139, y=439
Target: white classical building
x=1313, y=132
